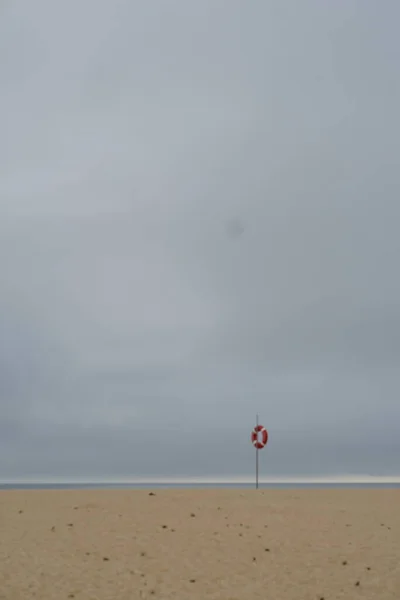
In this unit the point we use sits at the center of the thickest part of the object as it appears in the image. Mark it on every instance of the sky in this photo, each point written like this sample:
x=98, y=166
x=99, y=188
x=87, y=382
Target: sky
x=199, y=222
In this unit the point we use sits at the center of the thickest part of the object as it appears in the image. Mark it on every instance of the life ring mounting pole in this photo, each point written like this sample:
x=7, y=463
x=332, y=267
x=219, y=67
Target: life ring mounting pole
x=258, y=442
x=257, y=450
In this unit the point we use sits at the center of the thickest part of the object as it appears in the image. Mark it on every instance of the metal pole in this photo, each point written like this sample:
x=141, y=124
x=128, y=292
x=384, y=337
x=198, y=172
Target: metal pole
x=257, y=456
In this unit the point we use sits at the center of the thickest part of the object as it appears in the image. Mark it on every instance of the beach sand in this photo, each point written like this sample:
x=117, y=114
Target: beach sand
x=183, y=543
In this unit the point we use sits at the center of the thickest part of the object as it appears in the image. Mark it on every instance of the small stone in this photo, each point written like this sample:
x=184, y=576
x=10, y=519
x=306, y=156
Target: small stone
x=192, y=581
x=151, y=494
x=20, y=512
x=192, y=515
x=165, y=526
x=53, y=528
x=70, y=524
x=254, y=559
x=368, y=568
x=143, y=554
x=267, y=550
x=344, y=562
x=105, y=558
x=357, y=583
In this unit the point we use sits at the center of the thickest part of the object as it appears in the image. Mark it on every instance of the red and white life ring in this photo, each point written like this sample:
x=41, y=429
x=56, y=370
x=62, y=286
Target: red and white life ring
x=259, y=443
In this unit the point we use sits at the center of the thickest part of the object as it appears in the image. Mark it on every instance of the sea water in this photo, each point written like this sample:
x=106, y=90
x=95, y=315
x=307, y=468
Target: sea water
x=189, y=485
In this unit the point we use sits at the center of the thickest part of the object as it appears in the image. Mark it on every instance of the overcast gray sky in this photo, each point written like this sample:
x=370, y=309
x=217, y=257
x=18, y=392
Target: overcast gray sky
x=199, y=217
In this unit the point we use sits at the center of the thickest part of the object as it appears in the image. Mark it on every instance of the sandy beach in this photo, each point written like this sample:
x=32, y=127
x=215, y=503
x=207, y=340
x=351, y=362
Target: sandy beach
x=218, y=544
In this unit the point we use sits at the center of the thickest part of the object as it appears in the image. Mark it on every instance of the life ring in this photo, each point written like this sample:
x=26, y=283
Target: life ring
x=259, y=444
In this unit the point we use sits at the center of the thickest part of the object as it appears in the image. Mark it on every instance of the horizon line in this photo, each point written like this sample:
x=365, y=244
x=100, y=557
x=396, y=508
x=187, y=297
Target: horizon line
x=90, y=480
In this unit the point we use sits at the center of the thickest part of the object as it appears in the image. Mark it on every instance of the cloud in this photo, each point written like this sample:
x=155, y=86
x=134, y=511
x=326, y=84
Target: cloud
x=198, y=222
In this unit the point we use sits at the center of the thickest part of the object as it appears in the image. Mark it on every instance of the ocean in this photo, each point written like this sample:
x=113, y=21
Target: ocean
x=234, y=485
